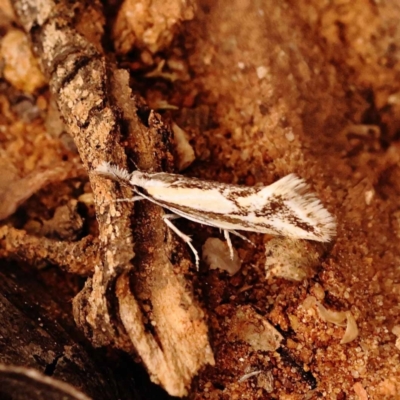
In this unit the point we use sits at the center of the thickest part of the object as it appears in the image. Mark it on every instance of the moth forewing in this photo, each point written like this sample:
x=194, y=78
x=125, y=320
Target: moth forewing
x=285, y=207
x=206, y=199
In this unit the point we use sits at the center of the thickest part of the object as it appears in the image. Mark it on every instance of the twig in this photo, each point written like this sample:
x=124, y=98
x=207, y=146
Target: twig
x=67, y=255
x=95, y=101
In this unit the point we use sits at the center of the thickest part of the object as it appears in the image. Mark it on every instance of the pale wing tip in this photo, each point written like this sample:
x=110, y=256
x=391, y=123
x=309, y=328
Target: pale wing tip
x=322, y=220
x=305, y=203
x=290, y=183
x=112, y=171
x=327, y=228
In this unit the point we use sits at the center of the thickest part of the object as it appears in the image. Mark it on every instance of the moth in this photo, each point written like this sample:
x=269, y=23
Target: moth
x=285, y=208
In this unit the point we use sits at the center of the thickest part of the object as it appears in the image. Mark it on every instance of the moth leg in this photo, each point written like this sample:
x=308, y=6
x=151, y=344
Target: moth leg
x=228, y=241
x=242, y=237
x=131, y=200
x=185, y=238
x=172, y=216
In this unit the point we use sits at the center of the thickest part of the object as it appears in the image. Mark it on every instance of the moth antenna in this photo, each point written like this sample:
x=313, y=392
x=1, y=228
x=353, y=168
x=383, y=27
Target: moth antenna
x=133, y=162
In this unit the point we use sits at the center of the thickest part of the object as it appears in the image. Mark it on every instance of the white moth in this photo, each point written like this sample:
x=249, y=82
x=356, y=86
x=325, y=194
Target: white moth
x=285, y=208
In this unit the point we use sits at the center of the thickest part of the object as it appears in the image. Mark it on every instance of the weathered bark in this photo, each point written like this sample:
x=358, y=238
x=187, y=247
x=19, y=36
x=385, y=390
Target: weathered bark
x=108, y=123
x=38, y=332
x=23, y=383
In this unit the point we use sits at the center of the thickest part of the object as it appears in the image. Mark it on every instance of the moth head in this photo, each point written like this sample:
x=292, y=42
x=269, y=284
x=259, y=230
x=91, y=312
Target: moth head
x=138, y=178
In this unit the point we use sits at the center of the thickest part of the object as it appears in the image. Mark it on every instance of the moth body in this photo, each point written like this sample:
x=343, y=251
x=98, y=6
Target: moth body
x=284, y=208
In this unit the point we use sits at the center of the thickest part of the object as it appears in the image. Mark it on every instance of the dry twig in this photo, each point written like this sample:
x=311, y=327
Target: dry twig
x=108, y=123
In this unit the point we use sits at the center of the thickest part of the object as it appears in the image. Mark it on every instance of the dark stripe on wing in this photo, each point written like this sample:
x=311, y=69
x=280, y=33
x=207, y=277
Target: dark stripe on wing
x=279, y=210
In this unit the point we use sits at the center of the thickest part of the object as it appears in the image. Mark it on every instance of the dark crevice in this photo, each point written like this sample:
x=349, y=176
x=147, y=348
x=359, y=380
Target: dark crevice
x=307, y=376
x=51, y=367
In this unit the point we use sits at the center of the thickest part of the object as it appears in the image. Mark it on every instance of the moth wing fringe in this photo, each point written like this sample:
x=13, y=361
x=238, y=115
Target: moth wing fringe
x=295, y=191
